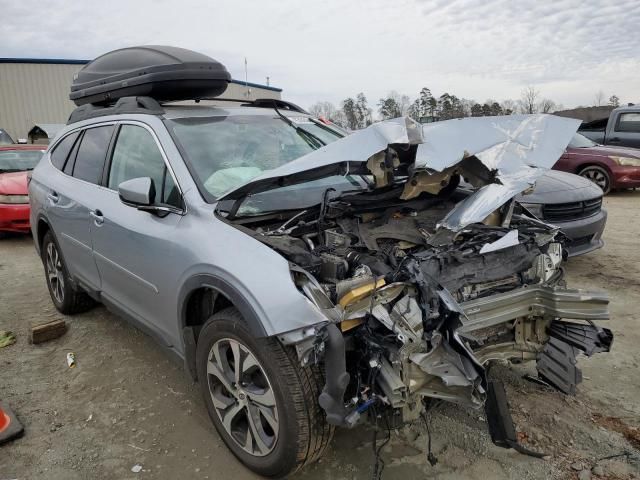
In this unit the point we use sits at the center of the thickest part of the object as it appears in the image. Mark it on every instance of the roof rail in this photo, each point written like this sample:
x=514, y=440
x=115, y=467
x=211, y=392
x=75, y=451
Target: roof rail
x=279, y=104
x=258, y=102
x=146, y=105
x=150, y=106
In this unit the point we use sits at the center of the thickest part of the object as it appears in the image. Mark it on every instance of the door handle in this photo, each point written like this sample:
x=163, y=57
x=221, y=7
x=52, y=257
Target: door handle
x=53, y=197
x=97, y=216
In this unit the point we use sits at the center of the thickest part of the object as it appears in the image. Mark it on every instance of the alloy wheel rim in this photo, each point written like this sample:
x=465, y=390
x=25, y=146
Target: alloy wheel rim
x=242, y=397
x=54, y=272
x=597, y=177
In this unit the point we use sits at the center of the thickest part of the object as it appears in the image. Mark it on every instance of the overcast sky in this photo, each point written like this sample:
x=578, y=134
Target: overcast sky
x=329, y=50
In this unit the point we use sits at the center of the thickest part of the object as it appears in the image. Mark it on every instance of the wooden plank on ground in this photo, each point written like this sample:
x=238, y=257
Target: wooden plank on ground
x=44, y=332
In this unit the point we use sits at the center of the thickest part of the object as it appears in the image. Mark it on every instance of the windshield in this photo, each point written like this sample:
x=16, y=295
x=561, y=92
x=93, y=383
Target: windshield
x=580, y=141
x=19, y=160
x=226, y=152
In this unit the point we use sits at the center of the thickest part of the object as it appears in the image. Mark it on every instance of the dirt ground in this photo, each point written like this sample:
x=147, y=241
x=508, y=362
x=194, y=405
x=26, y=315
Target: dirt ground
x=127, y=404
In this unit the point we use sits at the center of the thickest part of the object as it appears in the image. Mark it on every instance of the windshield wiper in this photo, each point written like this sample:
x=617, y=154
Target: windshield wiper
x=310, y=138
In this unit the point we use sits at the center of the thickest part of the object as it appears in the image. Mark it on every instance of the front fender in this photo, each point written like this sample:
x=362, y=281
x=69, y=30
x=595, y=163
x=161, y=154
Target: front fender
x=268, y=308
x=252, y=314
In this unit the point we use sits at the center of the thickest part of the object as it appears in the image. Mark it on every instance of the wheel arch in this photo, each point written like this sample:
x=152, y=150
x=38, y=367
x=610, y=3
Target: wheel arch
x=592, y=163
x=42, y=227
x=200, y=297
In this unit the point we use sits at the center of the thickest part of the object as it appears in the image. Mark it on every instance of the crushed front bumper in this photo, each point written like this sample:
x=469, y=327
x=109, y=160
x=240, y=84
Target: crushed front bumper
x=533, y=300
x=534, y=315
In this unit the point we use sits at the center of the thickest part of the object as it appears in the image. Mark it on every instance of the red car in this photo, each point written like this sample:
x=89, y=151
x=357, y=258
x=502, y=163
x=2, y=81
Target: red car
x=15, y=163
x=608, y=167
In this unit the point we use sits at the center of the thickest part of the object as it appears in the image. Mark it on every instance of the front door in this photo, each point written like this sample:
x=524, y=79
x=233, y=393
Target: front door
x=136, y=250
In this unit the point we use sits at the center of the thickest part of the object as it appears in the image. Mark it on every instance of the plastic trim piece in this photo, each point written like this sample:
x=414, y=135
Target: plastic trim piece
x=124, y=105
x=557, y=365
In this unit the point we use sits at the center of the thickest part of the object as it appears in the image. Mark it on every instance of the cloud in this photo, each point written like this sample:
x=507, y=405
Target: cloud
x=568, y=49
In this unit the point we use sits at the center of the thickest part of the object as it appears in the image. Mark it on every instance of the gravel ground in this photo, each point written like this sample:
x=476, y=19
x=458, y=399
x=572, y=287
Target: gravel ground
x=127, y=404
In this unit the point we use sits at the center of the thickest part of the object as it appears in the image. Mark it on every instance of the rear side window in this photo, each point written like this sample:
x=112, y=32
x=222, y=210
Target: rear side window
x=136, y=155
x=92, y=153
x=60, y=154
x=629, y=122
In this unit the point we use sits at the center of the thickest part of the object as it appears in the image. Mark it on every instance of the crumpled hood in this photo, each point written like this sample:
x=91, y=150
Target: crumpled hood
x=515, y=149
x=520, y=148
x=13, y=183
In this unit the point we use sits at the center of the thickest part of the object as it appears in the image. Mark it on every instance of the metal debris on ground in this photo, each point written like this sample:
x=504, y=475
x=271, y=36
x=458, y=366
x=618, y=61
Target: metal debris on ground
x=137, y=468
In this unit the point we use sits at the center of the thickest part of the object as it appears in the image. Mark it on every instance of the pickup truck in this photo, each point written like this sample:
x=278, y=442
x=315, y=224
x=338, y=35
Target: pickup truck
x=621, y=129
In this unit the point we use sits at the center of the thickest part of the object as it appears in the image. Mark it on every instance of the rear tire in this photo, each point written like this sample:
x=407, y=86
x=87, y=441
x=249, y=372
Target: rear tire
x=598, y=175
x=270, y=419
x=65, y=297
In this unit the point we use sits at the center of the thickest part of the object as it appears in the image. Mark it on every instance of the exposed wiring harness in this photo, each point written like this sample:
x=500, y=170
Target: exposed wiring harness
x=426, y=418
x=378, y=462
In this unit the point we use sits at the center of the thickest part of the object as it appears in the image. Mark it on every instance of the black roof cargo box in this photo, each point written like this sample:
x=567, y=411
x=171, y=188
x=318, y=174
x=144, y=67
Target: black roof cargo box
x=161, y=72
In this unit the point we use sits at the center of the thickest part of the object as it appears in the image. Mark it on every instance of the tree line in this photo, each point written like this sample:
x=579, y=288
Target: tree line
x=355, y=113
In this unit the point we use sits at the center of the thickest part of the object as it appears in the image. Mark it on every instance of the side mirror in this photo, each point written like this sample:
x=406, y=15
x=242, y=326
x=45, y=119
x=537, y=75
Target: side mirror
x=137, y=192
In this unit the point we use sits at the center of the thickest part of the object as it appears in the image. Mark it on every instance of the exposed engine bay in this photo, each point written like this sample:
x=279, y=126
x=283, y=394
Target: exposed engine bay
x=398, y=300
x=416, y=311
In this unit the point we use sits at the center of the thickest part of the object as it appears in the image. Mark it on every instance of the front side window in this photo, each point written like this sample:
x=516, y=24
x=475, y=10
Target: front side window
x=136, y=155
x=19, y=160
x=226, y=152
x=92, y=154
x=629, y=122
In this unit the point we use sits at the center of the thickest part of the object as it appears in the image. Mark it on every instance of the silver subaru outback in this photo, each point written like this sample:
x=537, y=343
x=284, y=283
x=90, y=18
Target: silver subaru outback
x=310, y=279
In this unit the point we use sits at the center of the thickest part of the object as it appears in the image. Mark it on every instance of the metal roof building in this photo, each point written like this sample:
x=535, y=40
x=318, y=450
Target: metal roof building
x=36, y=91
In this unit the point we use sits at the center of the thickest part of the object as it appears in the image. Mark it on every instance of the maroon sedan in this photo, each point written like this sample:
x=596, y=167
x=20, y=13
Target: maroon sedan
x=608, y=167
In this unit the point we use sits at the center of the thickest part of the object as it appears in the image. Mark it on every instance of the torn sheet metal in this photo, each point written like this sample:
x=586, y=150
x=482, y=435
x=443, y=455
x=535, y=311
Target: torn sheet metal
x=510, y=239
x=519, y=147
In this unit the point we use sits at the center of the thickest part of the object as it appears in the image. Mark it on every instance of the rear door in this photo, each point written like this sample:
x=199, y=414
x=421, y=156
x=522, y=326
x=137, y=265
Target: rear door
x=71, y=196
x=626, y=130
x=135, y=249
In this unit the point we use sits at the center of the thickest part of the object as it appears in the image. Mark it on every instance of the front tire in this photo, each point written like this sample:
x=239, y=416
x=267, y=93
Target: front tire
x=598, y=175
x=65, y=297
x=262, y=402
